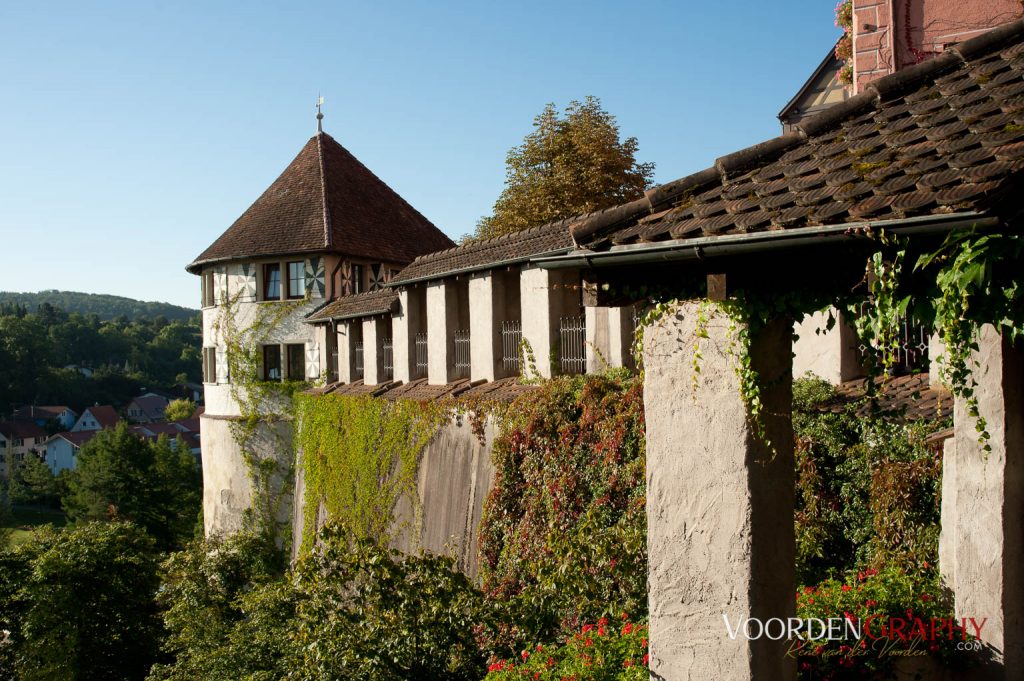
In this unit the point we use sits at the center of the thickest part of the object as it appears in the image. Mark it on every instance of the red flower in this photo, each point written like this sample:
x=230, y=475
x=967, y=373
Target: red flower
x=643, y=643
x=627, y=663
x=588, y=643
x=525, y=655
x=846, y=587
x=646, y=658
x=627, y=628
x=625, y=616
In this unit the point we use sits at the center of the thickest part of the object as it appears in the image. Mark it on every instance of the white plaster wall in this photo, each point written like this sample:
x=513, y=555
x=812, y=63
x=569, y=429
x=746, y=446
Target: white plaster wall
x=828, y=354
x=227, y=489
x=988, y=551
x=485, y=348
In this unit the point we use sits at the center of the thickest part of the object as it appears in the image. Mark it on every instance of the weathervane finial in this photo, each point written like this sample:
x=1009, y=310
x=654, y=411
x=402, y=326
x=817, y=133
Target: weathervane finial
x=319, y=114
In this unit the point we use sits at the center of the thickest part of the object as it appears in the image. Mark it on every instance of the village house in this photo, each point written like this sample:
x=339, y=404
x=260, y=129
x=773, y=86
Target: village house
x=62, y=416
x=17, y=440
x=148, y=408
x=62, y=449
x=96, y=418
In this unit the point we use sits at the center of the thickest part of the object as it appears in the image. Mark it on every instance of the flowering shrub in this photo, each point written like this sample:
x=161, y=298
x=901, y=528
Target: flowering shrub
x=604, y=651
x=844, y=48
x=563, y=538
x=894, y=612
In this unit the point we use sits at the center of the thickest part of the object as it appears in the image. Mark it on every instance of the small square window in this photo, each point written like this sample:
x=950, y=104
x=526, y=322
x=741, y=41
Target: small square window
x=272, y=362
x=296, y=279
x=297, y=362
x=272, y=282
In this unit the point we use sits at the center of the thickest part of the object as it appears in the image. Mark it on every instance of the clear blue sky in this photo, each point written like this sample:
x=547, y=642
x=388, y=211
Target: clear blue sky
x=133, y=133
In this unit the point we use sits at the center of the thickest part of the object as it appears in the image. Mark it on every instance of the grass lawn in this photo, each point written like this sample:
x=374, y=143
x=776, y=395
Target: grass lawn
x=27, y=517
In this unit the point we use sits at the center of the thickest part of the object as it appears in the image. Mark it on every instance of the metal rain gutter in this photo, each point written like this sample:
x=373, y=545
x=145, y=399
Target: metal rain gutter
x=740, y=244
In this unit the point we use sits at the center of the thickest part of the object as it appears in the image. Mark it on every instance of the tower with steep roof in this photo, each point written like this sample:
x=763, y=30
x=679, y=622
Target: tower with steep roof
x=327, y=227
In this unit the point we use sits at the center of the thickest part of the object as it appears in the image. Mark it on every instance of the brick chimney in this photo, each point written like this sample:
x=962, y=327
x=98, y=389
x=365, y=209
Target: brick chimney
x=891, y=34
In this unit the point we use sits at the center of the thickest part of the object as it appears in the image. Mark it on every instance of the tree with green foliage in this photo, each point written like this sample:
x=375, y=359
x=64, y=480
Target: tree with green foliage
x=80, y=604
x=228, y=609
x=103, y=305
x=179, y=410
x=122, y=476
x=351, y=609
x=567, y=166
x=374, y=613
x=33, y=483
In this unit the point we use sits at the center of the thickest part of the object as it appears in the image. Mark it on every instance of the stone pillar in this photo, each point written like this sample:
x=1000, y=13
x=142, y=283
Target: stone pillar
x=485, y=303
x=621, y=336
x=988, y=574
x=346, y=352
x=403, y=328
x=442, y=322
x=947, y=515
x=540, y=320
x=828, y=354
x=719, y=502
x=598, y=341
x=373, y=352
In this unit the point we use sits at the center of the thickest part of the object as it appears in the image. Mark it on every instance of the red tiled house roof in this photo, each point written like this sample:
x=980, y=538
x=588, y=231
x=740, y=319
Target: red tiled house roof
x=366, y=304
x=104, y=414
x=940, y=138
x=21, y=429
x=327, y=201
x=549, y=239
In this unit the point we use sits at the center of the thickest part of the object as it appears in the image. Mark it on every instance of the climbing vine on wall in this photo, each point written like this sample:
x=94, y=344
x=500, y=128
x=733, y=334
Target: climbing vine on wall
x=265, y=407
x=971, y=279
x=957, y=286
x=360, y=456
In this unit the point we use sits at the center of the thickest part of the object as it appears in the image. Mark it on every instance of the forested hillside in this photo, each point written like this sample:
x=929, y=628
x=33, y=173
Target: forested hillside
x=101, y=305
x=50, y=356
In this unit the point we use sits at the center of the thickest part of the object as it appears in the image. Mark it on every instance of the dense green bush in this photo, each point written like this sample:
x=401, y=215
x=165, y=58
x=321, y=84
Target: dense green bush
x=368, y=612
x=349, y=610
x=867, y=487
x=79, y=604
x=227, y=610
x=876, y=598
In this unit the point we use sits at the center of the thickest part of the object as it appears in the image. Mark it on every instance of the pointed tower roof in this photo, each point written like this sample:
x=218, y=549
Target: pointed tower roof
x=326, y=200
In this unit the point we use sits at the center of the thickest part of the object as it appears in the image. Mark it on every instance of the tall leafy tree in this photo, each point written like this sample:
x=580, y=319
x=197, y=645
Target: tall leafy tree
x=79, y=604
x=33, y=483
x=120, y=476
x=568, y=165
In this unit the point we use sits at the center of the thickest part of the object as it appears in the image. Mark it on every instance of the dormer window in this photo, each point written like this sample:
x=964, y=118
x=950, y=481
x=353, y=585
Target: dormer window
x=296, y=279
x=272, y=281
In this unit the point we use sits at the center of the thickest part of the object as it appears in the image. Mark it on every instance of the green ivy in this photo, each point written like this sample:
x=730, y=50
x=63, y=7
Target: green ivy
x=262, y=405
x=360, y=456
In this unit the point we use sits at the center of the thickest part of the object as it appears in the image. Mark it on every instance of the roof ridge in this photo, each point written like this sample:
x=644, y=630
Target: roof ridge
x=328, y=232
